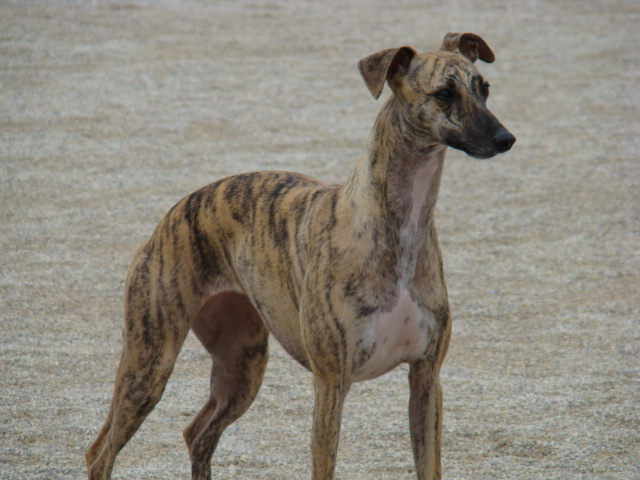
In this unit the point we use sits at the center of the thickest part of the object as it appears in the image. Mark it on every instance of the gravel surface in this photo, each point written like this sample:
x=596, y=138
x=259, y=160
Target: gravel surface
x=111, y=111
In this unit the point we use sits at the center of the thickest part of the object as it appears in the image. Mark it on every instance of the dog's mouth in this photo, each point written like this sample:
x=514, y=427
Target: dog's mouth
x=500, y=142
x=482, y=155
x=484, y=139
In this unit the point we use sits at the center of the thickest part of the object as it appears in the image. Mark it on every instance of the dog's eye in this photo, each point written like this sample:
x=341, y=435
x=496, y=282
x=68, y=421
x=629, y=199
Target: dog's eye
x=485, y=90
x=444, y=95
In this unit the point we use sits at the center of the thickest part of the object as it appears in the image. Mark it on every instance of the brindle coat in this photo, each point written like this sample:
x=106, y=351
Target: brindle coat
x=348, y=278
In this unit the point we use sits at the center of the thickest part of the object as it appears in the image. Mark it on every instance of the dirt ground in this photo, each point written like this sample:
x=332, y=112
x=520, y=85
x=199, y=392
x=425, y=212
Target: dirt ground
x=111, y=111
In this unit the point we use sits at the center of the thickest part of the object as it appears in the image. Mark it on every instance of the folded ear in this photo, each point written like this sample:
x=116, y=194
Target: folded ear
x=385, y=65
x=470, y=45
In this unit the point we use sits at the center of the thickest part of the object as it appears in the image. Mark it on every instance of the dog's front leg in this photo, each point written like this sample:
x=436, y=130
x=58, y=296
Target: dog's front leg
x=327, y=416
x=425, y=419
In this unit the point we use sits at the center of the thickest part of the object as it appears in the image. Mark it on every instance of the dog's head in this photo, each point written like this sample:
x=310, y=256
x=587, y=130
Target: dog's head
x=441, y=94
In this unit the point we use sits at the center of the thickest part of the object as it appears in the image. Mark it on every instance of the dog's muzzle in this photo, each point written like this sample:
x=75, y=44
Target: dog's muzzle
x=503, y=140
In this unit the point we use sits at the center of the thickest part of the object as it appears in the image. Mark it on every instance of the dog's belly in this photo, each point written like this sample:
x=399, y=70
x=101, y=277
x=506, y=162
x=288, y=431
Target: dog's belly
x=393, y=337
x=282, y=320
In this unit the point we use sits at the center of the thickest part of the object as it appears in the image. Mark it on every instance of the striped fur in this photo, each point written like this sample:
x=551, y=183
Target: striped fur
x=348, y=278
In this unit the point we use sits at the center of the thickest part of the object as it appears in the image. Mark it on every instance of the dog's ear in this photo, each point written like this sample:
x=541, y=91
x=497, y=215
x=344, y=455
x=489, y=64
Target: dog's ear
x=470, y=45
x=385, y=65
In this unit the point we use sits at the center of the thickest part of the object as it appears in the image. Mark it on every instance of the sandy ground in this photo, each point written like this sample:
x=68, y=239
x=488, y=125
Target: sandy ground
x=110, y=112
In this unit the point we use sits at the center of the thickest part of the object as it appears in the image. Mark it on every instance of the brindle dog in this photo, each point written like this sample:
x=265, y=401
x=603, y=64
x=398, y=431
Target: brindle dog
x=348, y=278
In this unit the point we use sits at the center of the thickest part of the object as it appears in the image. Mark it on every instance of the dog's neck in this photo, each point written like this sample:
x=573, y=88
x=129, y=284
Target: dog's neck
x=395, y=180
x=395, y=185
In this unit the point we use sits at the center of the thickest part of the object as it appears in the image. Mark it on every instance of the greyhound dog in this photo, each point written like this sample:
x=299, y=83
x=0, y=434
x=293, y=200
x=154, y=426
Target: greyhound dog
x=348, y=278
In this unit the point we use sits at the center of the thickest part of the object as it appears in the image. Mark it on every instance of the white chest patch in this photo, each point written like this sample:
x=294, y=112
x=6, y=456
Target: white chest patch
x=393, y=337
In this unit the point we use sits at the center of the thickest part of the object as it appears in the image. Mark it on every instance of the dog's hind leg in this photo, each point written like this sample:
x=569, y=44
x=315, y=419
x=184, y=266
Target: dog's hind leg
x=155, y=330
x=138, y=390
x=233, y=332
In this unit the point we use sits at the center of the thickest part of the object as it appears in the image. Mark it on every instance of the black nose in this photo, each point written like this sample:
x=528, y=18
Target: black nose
x=504, y=140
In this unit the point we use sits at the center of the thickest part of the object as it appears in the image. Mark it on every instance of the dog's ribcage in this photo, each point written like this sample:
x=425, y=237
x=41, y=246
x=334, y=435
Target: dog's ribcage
x=279, y=230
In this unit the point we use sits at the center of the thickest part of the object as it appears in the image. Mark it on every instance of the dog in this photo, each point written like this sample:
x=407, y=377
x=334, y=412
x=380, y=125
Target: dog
x=348, y=278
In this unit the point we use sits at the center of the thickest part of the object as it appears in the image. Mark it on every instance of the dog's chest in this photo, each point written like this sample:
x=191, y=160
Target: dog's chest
x=392, y=337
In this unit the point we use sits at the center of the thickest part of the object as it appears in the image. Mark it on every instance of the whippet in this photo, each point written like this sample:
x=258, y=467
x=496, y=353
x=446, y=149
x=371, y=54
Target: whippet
x=349, y=279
